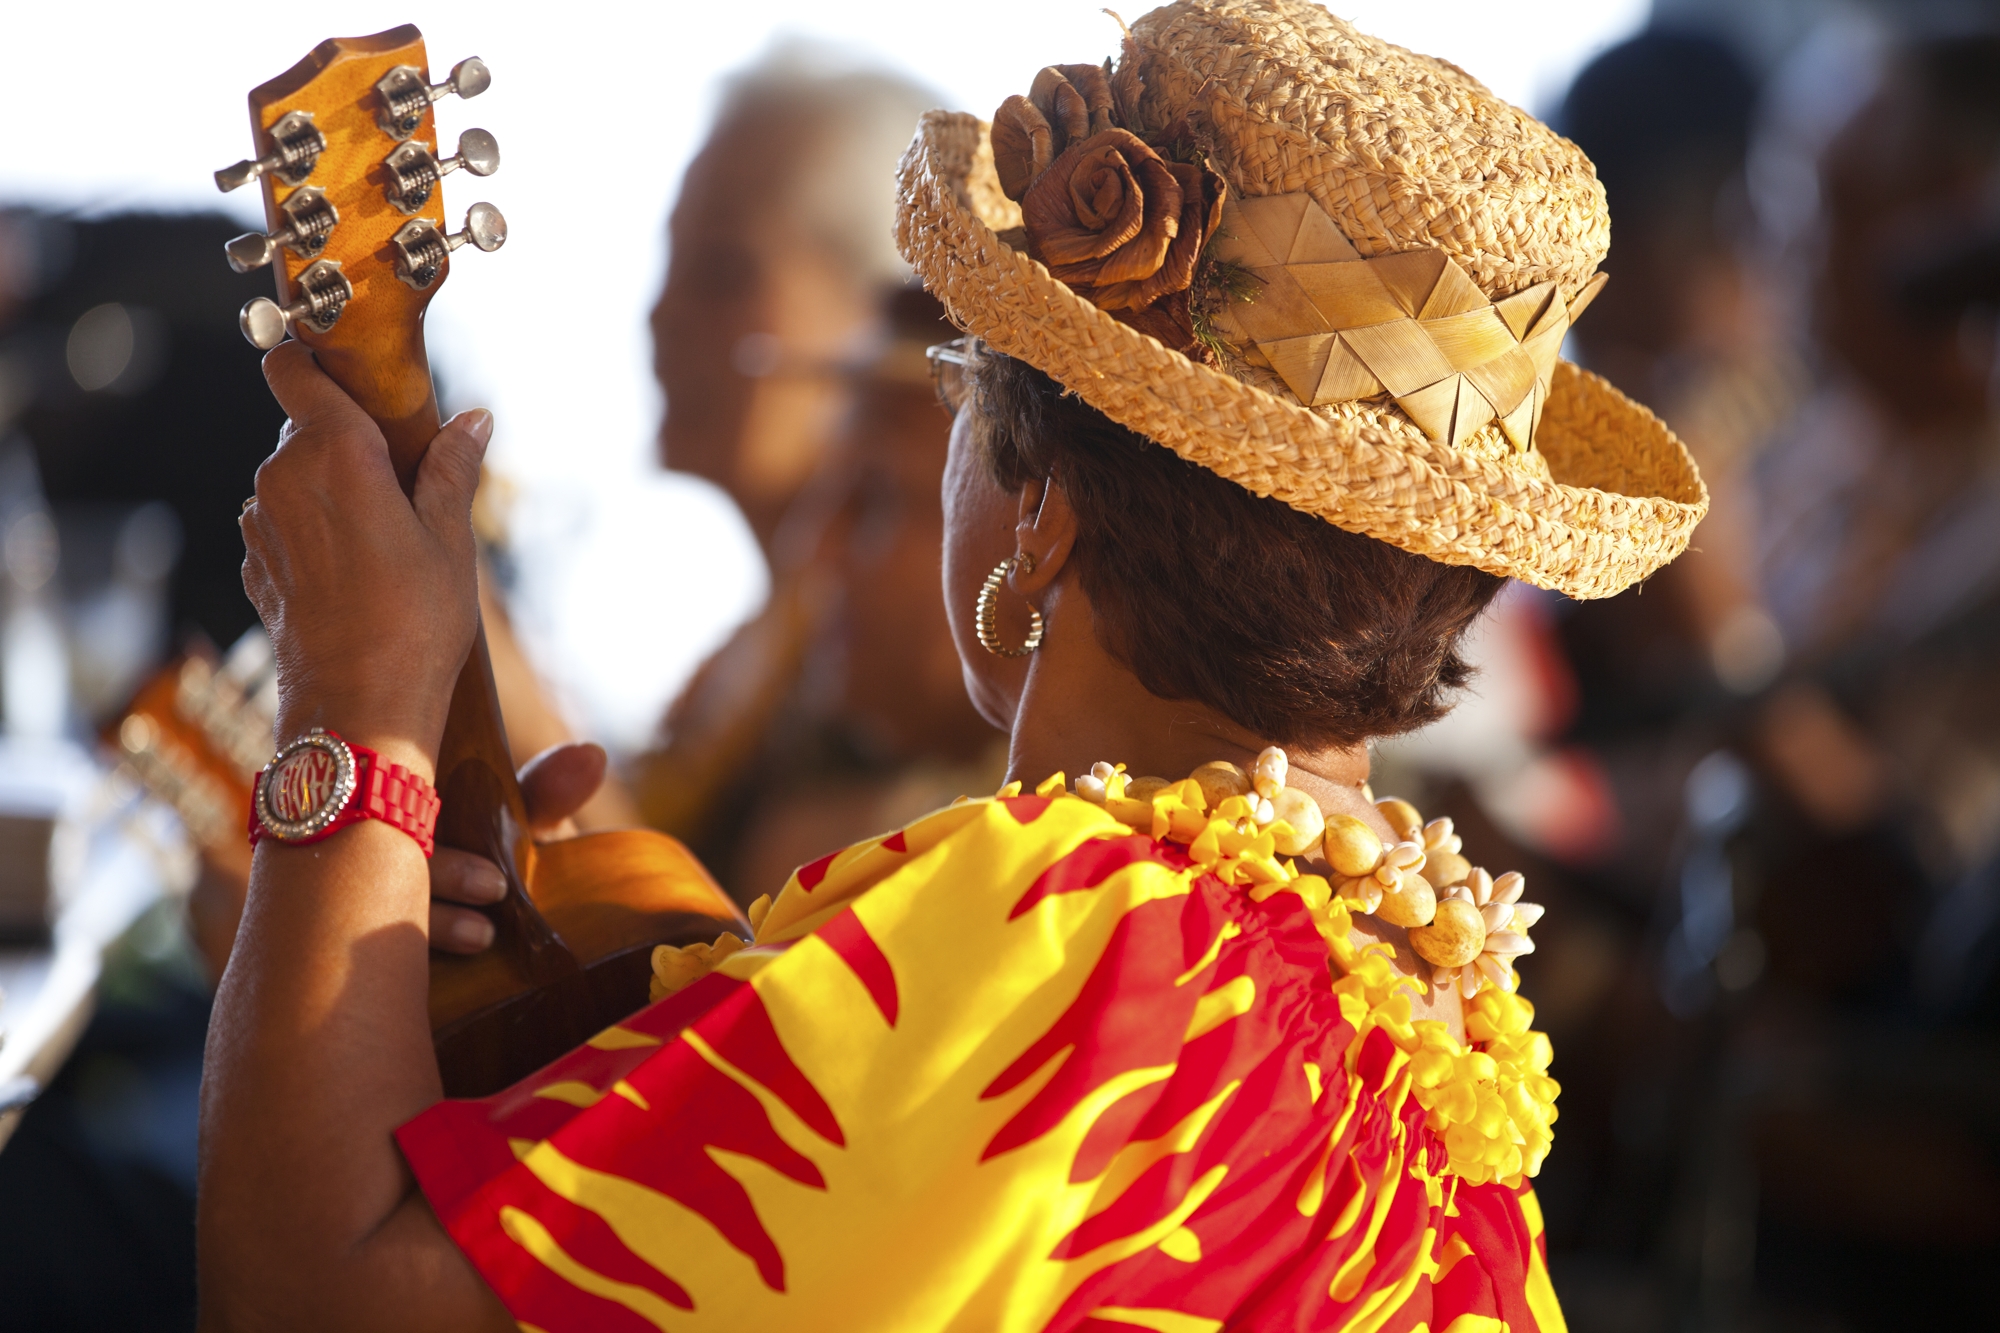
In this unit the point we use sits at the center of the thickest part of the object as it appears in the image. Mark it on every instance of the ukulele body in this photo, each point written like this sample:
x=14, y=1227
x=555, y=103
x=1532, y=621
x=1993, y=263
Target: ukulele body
x=610, y=898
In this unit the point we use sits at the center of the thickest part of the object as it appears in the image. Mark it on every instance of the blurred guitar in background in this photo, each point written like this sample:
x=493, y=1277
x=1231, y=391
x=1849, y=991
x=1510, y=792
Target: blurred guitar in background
x=195, y=736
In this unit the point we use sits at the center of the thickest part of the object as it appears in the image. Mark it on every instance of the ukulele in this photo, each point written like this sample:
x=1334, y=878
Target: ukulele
x=347, y=158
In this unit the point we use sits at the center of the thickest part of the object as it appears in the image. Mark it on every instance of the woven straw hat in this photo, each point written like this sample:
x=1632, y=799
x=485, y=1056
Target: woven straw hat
x=1398, y=256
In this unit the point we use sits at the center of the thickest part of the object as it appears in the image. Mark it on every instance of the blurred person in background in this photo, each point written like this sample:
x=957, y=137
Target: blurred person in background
x=789, y=344
x=876, y=725
x=131, y=422
x=777, y=264
x=1693, y=323
x=1878, y=752
x=1690, y=323
x=1778, y=1097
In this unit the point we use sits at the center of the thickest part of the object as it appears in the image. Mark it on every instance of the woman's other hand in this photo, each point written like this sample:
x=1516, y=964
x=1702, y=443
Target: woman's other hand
x=554, y=786
x=370, y=597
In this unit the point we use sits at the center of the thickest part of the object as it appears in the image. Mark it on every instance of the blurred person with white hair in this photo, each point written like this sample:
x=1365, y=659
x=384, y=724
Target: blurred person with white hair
x=788, y=341
x=777, y=266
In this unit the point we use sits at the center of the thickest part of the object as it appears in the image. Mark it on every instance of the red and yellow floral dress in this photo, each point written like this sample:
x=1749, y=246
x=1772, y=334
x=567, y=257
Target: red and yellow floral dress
x=1021, y=1066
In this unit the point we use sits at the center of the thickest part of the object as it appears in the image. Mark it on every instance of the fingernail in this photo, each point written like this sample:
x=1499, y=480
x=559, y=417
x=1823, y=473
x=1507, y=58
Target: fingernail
x=470, y=932
x=485, y=882
x=479, y=425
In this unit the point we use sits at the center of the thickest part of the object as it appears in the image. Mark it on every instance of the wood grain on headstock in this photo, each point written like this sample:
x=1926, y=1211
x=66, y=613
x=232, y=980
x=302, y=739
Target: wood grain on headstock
x=376, y=349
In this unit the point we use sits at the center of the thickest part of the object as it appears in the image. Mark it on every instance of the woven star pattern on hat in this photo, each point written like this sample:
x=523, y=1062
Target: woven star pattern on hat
x=1411, y=325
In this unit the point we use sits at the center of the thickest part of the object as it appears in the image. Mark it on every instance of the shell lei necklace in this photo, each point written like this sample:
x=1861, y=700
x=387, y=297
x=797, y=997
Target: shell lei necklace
x=1466, y=924
x=1492, y=1101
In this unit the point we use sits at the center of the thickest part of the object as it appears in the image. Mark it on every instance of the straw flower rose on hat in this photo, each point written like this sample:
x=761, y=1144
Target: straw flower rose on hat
x=1119, y=221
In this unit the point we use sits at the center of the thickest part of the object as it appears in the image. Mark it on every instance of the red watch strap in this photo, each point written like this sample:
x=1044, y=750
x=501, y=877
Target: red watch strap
x=397, y=797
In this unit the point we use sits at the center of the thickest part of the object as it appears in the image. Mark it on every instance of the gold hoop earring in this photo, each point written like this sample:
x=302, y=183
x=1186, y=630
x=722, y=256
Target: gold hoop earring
x=986, y=616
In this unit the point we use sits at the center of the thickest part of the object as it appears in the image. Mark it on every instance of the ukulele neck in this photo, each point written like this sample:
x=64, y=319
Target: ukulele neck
x=391, y=382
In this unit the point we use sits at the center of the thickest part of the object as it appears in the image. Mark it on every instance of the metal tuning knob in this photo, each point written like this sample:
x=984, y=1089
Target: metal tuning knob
x=414, y=171
x=405, y=95
x=323, y=293
x=421, y=248
x=310, y=218
x=299, y=145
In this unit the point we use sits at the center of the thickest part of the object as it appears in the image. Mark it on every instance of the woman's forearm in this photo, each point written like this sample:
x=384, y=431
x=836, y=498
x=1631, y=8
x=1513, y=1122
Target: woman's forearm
x=319, y=1048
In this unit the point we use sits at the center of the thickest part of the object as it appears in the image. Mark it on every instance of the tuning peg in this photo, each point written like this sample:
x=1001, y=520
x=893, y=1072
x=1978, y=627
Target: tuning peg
x=309, y=220
x=421, y=248
x=469, y=78
x=323, y=293
x=478, y=152
x=299, y=145
x=405, y=95
x=414, y=171
x=484, y=227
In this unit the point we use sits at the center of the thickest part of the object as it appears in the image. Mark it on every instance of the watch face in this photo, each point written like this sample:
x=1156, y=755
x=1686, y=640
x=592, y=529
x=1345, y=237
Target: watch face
x=306, y=786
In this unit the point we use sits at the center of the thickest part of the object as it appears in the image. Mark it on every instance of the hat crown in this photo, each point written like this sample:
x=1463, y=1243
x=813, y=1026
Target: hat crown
x=1403, y=151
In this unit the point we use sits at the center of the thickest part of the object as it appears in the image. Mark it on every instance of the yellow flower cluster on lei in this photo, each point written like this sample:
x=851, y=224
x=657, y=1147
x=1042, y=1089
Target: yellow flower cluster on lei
x=1492, y=1102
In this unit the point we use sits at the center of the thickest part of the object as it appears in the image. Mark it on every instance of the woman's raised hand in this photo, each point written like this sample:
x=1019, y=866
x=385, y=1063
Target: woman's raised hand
x=554, y=785
x=370, y=597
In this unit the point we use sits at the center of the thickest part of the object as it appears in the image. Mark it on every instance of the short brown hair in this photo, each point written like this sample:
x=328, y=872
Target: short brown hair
x=1306, y=634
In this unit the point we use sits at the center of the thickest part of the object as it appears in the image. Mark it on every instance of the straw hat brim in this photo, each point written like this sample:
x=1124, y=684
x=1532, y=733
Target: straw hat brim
x=1623, y=495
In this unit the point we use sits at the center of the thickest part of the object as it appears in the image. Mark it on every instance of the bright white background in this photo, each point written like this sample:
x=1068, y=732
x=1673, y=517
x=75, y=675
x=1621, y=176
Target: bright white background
x=633, y=576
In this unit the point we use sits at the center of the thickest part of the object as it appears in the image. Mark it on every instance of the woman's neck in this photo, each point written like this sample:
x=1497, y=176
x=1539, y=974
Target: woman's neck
x=1080, y=706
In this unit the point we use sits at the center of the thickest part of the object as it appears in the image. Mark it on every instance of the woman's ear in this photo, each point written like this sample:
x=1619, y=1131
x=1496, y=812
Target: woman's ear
x=1044, y=529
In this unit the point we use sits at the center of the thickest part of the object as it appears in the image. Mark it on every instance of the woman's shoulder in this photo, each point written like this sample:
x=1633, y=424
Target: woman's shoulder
x=987, y=843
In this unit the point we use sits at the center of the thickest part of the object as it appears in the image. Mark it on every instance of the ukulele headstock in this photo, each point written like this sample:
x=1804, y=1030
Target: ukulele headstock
x=349, y=162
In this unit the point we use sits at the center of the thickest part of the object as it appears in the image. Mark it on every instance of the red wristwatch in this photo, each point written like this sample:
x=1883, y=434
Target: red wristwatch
x=319, y=784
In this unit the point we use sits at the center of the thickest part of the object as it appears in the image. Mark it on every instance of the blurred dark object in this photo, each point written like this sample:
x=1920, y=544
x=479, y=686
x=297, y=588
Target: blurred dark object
x=1868, y=1062
x=1665, y=117
x=25, y=879
x=1963, y=280
x=132, y=421
x=97, y=1184
x=121, y=361
x=1909, y=181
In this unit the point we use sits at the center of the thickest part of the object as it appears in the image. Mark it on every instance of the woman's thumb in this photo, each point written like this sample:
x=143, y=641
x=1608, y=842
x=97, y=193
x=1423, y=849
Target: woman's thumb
x=449, y=473
x=556, y=783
